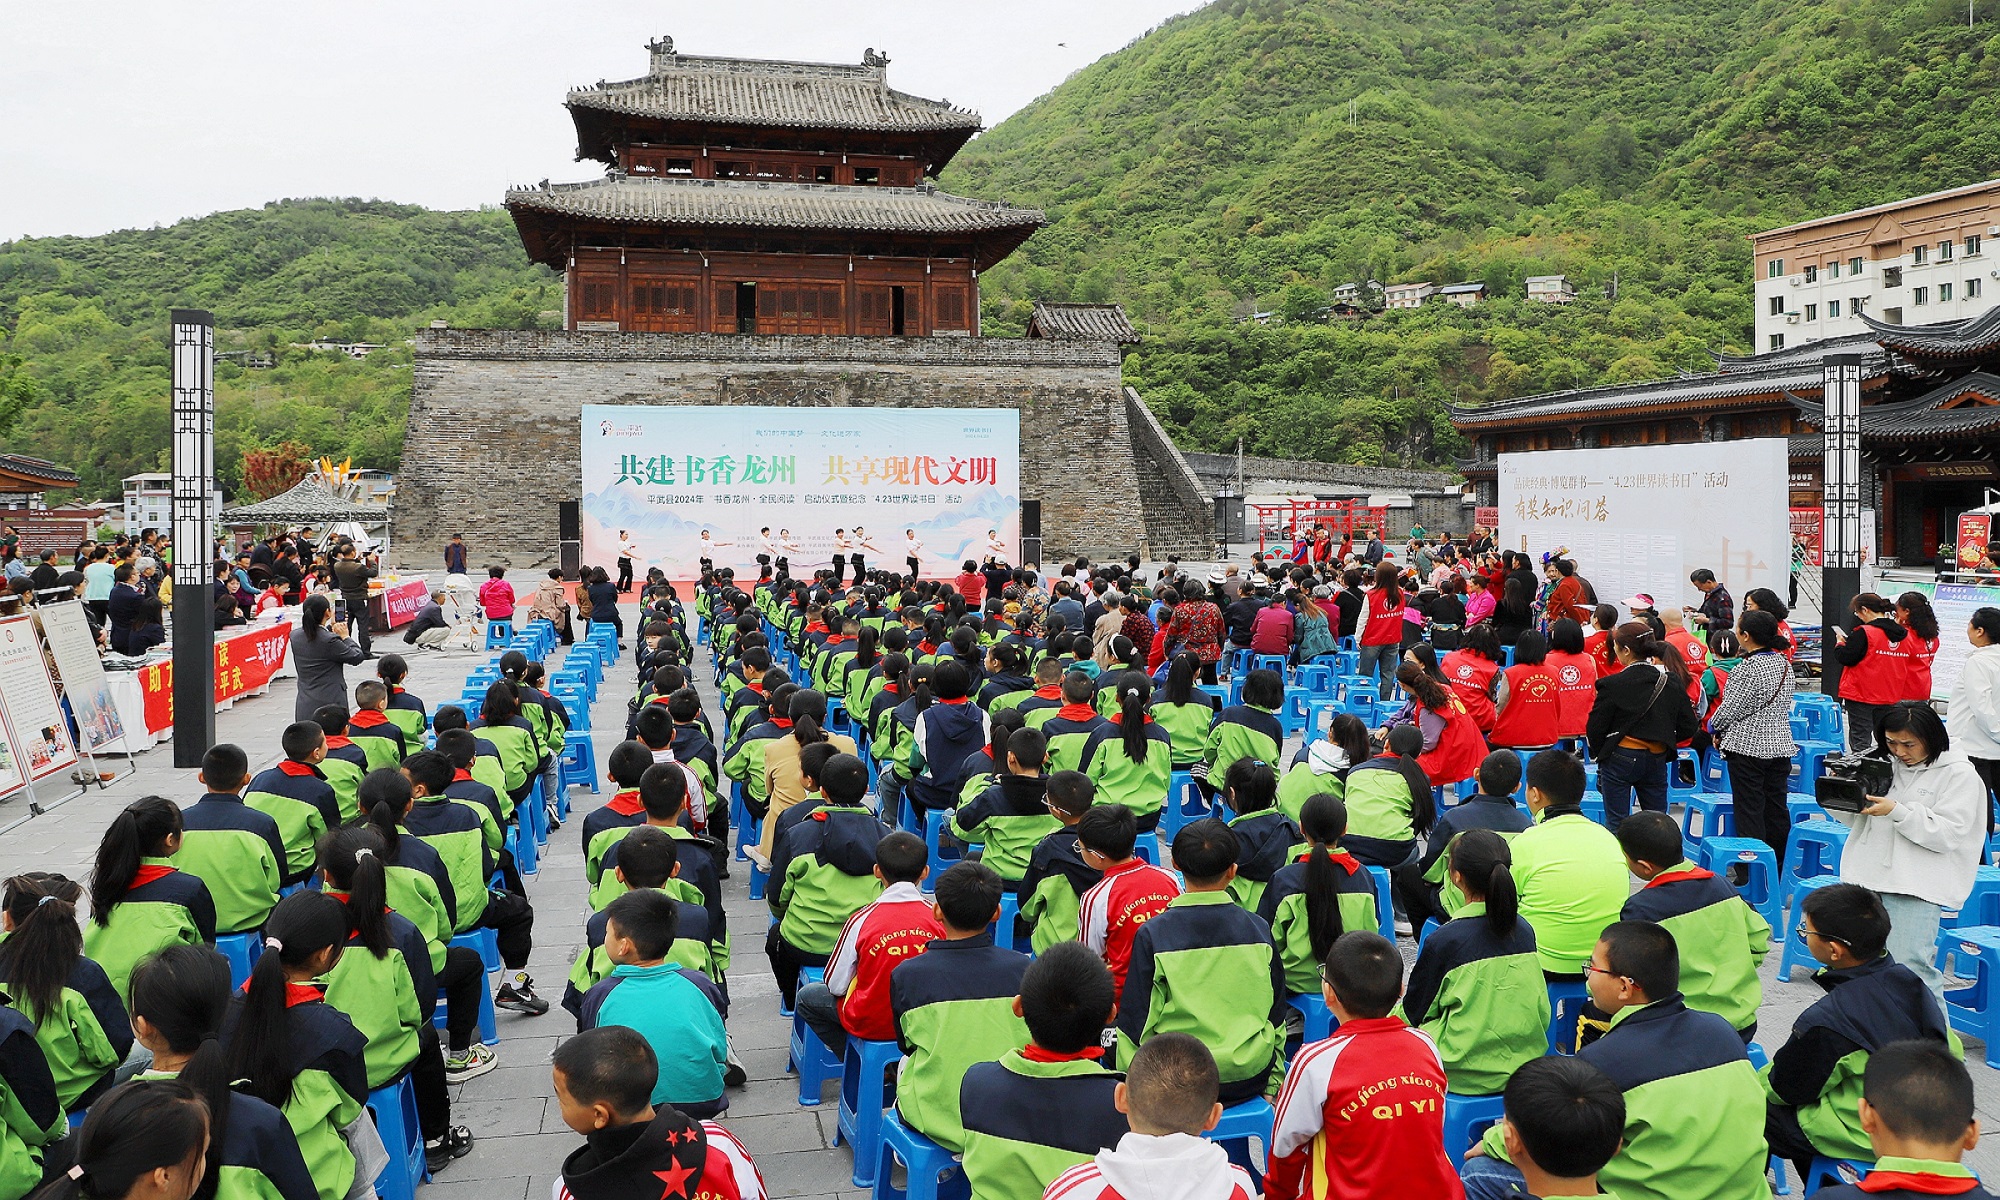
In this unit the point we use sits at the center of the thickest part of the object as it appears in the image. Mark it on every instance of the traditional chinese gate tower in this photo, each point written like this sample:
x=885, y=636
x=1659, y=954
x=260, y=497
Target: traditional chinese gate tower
x=748, y=196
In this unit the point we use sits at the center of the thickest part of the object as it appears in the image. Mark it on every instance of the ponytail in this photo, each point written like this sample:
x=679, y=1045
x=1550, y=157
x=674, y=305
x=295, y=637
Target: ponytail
x=864, y=646
x=1134, y=690
x=920, y=685
x=37, y=958
x=131, y=1132
x=303, y=925
x=352, y=862
x=1482, y=858
x=183, y=992
x=1323, y=820
x=382, y=819
x=513, y=665
x=1181, y=676
x=142, y=829
x=999, y=729
x=808, y=709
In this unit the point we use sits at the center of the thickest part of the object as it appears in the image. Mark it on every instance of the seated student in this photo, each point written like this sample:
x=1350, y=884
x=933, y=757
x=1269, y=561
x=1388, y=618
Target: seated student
x=1323, y=765
x=648, y=859
x=1477, y=988
x=605, y=824
x=486, y=766
x=945, y=734
x=812, y=761
x=1871, y=1000
x=1169, y=1097
x=1722, y=940
x=663, y=791
x=664, y=1002
x=1130, y=892
x=1389, y=802
x=1047, y=693
x=382, y=980
x=1200, y=937
x=180, y=997
x=1249, y=730
x=604, y=1080
x=1317, y=897
x=461, y=749
x=1568, y=868
x=744, y=761
x=465, y=836
x=1691, y=1097
x=1038, y=1111
x=1267, y=839
x=984, y=766
x=500, y=722
x=139, y=902
x=1424, y=886
x=1070, y=728
x=1131, y=759
x=1011, y=817
x=380, y=739
x=1917, y=1109
x=1052, y=888
x=1007, y=682
x=234, y=849
x=345, y=763
x=146, y=1141
x=295, y=1051
x=823, y=872
x=297, y=796
x=894, y=927
x=404, y=709
x=1564, y=1120
x=1330, y=1137
x=79, y=1019
x=953, y=1005
x=784, y=785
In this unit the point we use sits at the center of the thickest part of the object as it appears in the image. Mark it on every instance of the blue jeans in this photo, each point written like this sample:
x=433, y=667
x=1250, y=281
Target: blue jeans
x=1487, y=1178
x=1380, y=661
x=1621, y=771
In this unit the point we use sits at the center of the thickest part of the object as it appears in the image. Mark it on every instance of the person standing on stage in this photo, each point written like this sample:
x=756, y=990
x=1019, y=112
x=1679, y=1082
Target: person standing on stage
x=707, y=550
x=862, y=542
x=788, y=547
x=914, y=550
x=765, y=552
x=841, y=545
x=627, y=551
x=995, y=548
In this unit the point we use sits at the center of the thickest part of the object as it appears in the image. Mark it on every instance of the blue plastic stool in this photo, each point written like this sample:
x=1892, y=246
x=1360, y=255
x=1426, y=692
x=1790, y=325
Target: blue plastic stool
x=1465, y=1119
x=1147, y=849
x=759, y=879
x=1566, y=1001
x=747, y=831
x=242, y=950
x=487, y=943
x=1271, y=662
x=1806, y=764
x=1295, y=714
x=1804, y=808
x=1592, y=807
x=394, y=1107
x=1981, y=907
x=1812, y=849
x=1760, y=885
x=1385, y=909
x=1241, y=1122
x=1826, y=1172
x=1715, y=774
x=837, y=718
x=1717, y=813
x=498, y=633
x=1795, y=953
x=814, y=1063
x=579, y=764
x=934, y=1172
x=1678, y=792
x=1006, y=925
x=1174, y=814
x=862, y=1099
x=577, y=707
x=935, y=820
x=1318, y=1017
x=1316, y=678
x=1973, y=952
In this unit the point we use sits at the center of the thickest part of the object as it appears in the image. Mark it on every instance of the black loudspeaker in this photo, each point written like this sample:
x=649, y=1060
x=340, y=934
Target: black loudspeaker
x=569, y=521
x=1031, y=551
x=1031, y=519
x=572, y=559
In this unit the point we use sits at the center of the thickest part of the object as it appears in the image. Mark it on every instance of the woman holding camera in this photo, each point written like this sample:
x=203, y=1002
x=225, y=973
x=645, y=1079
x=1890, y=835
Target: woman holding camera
x=1752, y=728
x=1919, y=846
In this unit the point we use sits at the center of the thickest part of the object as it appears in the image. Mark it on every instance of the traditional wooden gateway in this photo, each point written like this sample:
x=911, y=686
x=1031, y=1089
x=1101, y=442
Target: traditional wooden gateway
x=1930, y=422
x=753, y=196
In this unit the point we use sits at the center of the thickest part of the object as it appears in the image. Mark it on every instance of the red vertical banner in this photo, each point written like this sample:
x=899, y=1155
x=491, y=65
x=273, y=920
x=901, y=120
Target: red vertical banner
x=1975, y=533
x=1806, y=526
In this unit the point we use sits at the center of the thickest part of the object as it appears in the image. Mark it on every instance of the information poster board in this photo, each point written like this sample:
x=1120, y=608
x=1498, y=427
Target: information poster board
x=67, y=632
x=1640, y=519
x=33, y=719
x=1955, y=603
x=656, y=478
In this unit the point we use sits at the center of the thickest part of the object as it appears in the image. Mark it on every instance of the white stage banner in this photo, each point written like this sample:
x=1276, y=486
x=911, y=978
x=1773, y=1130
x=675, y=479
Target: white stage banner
x=656, y=480
x=1639, y=519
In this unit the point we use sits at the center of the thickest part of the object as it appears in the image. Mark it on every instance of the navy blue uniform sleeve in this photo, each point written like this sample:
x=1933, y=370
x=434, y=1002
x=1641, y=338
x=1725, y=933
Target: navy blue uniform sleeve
x=90, y=980
x=1805, y=1062
x=26, y=1070
x=1425, y=980
x=593, y=1002
x=1136, y=1002
x=417, y=956
x=275, y=1152
x=201, y=907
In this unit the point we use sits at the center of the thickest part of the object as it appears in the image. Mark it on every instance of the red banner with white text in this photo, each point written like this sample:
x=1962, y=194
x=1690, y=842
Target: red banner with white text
x=244, y=663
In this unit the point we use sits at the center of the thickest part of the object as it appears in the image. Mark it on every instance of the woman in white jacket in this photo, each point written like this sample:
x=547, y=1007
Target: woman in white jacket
x=1919, y=846
x=1974, y=717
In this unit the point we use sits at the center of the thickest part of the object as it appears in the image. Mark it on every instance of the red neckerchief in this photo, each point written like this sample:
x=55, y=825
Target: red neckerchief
x=369, y=718
x=757, y=687
x=1034, y=1053
x=297, y=770
x=1922, y=1184
x=338, y=741
x=1052, y=692
x=151, y=873
x=396, y=691
x=1119, y=720
x=626, y=804
x=1347, y=861
x=298, y=993
x=1678, y=876
x=459, y=774
x=782, y=722
x=960, y=700
x=927, y=647
x=1076, y=712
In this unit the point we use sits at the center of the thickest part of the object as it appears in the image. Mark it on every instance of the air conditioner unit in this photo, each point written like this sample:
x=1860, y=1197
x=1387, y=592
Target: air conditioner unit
x=1993, y=231
x=1796, y=280
x=1791, y=318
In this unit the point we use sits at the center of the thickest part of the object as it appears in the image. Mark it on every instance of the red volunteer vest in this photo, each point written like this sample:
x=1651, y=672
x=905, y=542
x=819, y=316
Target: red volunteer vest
x=1882, y=673
x=1576, y=680
x=1459, y=750
x=1471, y=678
x=1384, y=624
x=1919, y=652
x=1533, y=713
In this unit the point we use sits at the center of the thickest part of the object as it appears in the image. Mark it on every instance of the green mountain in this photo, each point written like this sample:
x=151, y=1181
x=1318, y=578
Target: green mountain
x=1244, y=159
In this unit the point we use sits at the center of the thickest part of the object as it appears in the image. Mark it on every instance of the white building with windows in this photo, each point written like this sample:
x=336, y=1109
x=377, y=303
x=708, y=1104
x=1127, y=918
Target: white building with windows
x=149, y=503
x=1921, y=261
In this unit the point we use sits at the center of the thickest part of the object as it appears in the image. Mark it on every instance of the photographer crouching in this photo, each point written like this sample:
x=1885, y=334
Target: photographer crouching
x=1918, y=846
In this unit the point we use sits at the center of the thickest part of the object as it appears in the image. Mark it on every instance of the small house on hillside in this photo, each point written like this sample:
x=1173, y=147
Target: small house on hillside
x=1408, y=295
x=1465, y=295
x=1551, y=289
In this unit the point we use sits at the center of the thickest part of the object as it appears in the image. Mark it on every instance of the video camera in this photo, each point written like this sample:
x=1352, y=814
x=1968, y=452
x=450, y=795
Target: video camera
x=1847, y=780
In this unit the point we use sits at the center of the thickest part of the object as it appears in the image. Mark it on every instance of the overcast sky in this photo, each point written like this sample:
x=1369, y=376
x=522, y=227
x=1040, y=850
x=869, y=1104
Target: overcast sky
x=121, y=114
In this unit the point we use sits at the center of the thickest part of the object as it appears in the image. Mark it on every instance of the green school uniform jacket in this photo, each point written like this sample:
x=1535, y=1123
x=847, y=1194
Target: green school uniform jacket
x=463, y=836
x=344, y=766
x=1268, y=840
x=163, y=907
x=85, y=1036
x=1244, y=731
x=31, y=1116
x=1304, y=780
x=1721, y=939
x=520, y=752
x=605, y=826
x=826, y=865
x=420, y=889
x=298, y=797
x=1379, y=799
x=488, y=769
x=1283, y=908
x=1052, y=890
x=1204, y=966
x=679, y=1014
x=327, y=1056
x=745, y=763
x=389, y=999
x=1009, y=817
x=1694, y=1113
x=1069, y=730
x=380, y=739
x=1482, y=998
x=1032, y=1115
x=1572, y=879
x=260, y=1158
x=1188, y=726
x=238, y=853
x=409, y=715
x=1140, y=786
x=954, y=1008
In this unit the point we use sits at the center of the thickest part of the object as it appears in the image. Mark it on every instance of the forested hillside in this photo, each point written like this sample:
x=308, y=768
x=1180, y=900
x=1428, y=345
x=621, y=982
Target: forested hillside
x=1246, y=158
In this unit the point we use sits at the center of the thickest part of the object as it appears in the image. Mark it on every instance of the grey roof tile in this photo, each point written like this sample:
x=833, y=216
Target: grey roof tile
x=738, y=91
x=773, y=205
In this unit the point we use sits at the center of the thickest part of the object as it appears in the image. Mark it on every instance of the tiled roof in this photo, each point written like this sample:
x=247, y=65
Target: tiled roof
x=1926, y=416
x=307, y=500
x=23, y=468
x=1853, y=343
x=741, y=91
x=1082, y=322
x=1951, y=339
x=725, y=202
x=1685, y=390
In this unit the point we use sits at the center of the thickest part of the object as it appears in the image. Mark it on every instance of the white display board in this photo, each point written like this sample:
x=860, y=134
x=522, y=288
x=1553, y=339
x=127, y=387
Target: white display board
x=84, y=683
x=33, y=720
x=1639, y=519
